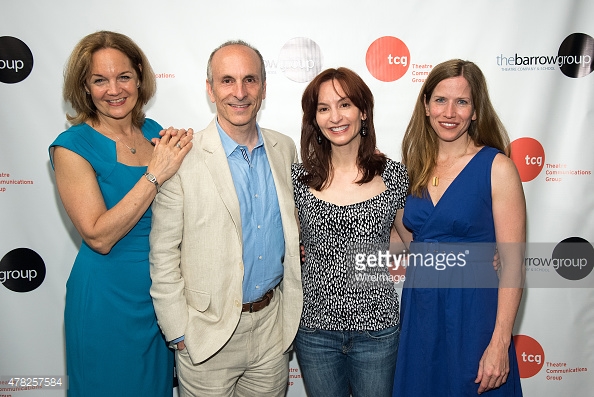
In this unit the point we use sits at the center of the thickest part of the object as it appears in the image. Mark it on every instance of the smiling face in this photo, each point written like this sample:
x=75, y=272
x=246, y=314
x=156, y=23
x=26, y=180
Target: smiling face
x=112, y=84
x=450, y=108
x=338, y=118
x=237, y=88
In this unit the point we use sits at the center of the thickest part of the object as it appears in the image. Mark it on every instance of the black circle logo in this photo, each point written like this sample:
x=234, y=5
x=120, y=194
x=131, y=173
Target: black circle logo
x=22, y=270
x=573, y=258
x=575, y=56
x=16, y=60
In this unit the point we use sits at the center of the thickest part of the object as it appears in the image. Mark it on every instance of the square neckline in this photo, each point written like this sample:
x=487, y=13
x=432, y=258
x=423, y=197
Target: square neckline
x=114, y=147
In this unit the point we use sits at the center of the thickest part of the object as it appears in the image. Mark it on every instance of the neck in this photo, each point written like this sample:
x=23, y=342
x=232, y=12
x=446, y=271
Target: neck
x=245, y=135
x=344, y=157
x=122, y=127
x=456, y=149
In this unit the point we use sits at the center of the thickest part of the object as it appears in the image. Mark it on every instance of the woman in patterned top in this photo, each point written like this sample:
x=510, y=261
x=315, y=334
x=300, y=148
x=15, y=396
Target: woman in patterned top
x=347, y=196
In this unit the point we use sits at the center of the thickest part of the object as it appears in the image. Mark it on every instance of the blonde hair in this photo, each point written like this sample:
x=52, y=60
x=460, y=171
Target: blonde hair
x=420, y=143
x=78, y=68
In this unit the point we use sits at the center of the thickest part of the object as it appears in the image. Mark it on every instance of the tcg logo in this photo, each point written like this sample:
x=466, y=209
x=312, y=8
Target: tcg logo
x=530, y=355
x=387, y=58
x=529, y=157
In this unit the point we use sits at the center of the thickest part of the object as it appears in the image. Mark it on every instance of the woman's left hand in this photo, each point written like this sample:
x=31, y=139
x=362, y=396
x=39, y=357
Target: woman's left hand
x=493, y=367
x=169, y=152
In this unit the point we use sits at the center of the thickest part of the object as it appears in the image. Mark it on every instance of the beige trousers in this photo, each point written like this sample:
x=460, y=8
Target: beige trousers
x=250, y=364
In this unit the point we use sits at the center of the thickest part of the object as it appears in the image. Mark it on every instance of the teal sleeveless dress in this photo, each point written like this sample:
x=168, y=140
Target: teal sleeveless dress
x=448, y=311
x=114, y=346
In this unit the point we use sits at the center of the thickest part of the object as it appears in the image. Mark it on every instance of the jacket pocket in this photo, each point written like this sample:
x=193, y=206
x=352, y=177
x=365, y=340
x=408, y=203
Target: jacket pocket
x=197, y=299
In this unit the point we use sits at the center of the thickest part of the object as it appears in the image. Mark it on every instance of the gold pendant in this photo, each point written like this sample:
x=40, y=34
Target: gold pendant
x=435, y=181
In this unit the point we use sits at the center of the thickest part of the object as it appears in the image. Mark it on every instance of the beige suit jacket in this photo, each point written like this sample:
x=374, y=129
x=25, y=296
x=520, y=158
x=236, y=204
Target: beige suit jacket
x=196, y=246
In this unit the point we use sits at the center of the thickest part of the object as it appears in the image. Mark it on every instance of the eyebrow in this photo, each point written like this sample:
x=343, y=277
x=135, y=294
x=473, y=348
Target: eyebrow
x=342, y=99
x=119, y=74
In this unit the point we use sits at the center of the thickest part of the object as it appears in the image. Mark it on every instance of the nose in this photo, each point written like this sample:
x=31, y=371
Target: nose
x=113, y=88
x=335, y=115
x=239, y=91
x=450, y=110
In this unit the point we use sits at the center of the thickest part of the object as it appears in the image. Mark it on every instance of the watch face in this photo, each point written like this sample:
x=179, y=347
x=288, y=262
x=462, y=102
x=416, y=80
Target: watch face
x=151, y=178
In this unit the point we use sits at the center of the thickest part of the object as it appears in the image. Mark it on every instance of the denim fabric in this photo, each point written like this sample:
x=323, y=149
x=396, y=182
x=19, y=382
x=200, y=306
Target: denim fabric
x=340, y=363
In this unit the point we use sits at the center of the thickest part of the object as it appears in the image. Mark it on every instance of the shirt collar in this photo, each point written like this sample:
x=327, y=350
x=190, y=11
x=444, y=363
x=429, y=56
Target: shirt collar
x=229, y=145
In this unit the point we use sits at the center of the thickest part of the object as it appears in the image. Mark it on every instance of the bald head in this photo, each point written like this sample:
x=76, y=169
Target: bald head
x=235, y=43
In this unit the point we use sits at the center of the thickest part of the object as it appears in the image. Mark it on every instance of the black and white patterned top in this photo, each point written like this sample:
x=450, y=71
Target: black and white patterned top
x=335, y=297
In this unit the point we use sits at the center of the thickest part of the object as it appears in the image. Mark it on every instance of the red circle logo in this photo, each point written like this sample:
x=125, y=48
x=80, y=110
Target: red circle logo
x=387, y=58
x=530, y=355
x=529, y=157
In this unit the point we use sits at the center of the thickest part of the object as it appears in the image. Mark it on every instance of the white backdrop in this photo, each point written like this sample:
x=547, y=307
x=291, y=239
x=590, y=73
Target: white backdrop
x=538, y=100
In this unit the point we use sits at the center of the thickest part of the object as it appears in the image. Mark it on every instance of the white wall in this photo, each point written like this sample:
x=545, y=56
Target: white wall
x=178, y=36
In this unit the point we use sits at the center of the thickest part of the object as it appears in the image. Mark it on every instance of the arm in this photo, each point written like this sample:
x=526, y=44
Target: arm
x=167, y=288
x=400, y=234
x=81, y=196
x=509, y=215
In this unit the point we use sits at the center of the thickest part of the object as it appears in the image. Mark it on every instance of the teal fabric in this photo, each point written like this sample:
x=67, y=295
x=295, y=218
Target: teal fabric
x=114, y=346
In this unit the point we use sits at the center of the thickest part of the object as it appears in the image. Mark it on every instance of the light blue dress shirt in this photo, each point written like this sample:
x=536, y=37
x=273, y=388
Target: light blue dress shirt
x=261, y=224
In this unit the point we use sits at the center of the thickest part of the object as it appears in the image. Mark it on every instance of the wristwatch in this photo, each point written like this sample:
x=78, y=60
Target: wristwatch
x=152, y=179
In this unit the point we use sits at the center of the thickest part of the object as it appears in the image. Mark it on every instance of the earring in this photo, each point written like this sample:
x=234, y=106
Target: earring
x=363, y=128
x=319, y=139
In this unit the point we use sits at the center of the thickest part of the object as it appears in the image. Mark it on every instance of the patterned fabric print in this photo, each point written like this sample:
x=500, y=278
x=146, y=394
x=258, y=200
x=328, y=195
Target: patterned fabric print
x=335, y=295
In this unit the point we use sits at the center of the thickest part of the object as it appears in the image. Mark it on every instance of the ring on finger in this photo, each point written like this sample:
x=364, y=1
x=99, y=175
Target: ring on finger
x=177, y=145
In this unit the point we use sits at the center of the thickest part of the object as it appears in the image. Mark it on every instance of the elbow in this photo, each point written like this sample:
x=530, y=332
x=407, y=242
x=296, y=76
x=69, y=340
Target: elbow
x=100, y=246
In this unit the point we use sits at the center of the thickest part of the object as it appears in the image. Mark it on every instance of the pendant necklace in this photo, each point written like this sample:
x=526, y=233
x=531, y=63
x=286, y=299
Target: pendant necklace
x=435, y=179
x=131, y=149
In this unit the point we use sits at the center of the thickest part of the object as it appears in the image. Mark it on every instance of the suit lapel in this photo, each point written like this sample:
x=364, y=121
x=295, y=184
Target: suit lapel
x=218, y=167
x=279, y=168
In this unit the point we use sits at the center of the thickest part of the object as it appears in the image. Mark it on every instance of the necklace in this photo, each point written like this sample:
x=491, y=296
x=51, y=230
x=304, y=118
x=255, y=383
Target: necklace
x=131, y=149
x=435, y=179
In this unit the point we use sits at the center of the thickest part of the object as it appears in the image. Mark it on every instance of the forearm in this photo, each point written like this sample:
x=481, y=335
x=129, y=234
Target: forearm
x=116, y=222
x=507, y=308
x=167, y=289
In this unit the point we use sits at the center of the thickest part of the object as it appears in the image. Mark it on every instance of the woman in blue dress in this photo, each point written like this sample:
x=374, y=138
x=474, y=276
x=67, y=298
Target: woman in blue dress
x=108, y=169
x=465, y=199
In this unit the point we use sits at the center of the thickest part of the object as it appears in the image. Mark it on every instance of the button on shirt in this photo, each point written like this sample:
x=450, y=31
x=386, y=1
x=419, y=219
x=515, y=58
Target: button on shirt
x=261, y=225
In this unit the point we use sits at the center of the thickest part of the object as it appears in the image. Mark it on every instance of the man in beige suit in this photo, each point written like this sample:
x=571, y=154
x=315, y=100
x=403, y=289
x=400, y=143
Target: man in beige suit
x=224, y=243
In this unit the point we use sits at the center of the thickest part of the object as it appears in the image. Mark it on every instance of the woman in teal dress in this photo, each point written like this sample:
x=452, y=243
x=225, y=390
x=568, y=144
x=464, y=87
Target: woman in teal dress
x=465, y=200
x=108, y=169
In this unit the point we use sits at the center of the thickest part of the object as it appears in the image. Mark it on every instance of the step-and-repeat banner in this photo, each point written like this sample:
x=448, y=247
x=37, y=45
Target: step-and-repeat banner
x=538, y=60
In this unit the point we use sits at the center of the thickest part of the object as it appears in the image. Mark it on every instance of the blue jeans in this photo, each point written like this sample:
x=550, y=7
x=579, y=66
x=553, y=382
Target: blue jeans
x=338, y=363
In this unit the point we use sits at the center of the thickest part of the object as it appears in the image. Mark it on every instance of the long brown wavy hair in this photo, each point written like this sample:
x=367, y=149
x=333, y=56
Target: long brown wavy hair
x=316, y=156
x=78, y=68
x=420, y=144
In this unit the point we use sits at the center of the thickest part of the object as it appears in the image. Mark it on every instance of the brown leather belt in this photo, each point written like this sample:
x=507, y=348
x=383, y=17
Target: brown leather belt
x=258, y=305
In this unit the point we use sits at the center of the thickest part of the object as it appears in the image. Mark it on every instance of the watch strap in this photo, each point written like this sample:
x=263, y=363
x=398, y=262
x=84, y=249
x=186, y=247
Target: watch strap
x=152, y=179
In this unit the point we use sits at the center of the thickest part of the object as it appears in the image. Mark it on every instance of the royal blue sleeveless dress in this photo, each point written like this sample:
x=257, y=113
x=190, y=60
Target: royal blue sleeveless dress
x=114, y=346
x=448, y=310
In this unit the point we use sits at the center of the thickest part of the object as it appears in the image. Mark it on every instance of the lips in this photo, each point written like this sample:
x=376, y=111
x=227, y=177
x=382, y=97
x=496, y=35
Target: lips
x=339, y=129
x=239, y=106
x=116, y=101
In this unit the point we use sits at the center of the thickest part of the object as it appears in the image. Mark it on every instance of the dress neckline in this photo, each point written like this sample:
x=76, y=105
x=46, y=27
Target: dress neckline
x=358, y=203
x=454, y=180
x=114, y=143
